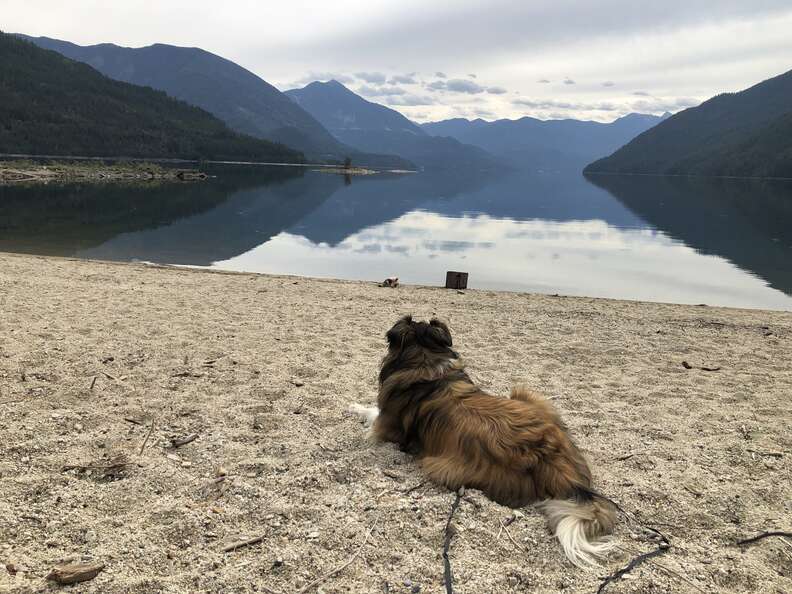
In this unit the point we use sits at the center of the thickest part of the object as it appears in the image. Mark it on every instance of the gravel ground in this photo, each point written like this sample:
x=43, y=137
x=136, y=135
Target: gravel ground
x=102, y=365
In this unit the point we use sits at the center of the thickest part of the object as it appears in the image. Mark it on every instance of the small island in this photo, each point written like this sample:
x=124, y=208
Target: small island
x=20, y=172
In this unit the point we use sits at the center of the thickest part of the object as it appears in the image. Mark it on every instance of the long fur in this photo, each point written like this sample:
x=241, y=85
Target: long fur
x=516, y=450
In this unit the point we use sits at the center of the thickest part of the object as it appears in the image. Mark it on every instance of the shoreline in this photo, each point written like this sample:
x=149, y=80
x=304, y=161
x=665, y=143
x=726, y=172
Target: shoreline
x=375, y=283
x=104, y=365
x=26, y=172
x=195, y=161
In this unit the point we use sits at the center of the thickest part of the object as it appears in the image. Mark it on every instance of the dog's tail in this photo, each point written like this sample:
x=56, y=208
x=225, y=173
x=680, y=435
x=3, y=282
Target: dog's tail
x=579, y=524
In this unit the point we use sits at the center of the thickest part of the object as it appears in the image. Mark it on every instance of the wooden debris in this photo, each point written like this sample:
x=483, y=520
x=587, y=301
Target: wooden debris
x=242, y=543
x=75, y=573
x=178, y=442
x=770, y=454
x=414, y=488
x=110, y=469
x=687, y=365
x=763, y=535
x=450, y=531
x=145, y=441
x=310, y=586
x=93, y=382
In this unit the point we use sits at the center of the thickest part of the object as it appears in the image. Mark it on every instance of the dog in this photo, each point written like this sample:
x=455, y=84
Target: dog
x=516, y=450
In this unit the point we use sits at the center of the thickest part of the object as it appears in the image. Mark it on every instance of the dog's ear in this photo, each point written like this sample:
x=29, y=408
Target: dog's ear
x=396, y=334
x=442, y=328
x=433, y=336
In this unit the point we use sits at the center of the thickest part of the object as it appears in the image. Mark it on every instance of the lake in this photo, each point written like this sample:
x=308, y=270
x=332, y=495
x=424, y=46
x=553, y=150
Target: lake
x=678, y=240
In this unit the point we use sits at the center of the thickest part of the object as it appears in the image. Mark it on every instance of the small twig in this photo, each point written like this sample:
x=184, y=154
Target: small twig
x=630, y=566
x=341, y=568
x=449, y=534
x=677, y=574
x=93, y=382
x=692, y=490
x=145, y=441
x=630, y=455
x=391, y=474
x=133, y=421
x=242, y=543
x=770, y=454
x=414, y=487
x=177, y=443
x=508, y=533
x=662, y=547
x=759, y=537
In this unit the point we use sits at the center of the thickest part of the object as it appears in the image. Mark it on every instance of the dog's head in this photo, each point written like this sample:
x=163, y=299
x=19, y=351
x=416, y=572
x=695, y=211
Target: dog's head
x=414, y=344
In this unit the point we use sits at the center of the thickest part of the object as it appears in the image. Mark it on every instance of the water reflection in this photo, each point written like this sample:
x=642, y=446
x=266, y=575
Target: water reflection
x=663, y=239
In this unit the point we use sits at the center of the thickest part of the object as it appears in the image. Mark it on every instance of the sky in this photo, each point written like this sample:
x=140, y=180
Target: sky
x=550, y=59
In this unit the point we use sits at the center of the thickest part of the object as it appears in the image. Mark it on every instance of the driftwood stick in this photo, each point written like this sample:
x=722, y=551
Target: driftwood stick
x=177, y=443
x=340, y=568
x=449, y=534
x=242, y=543
x=93, y=382
x=145, y=441
x=759, y=537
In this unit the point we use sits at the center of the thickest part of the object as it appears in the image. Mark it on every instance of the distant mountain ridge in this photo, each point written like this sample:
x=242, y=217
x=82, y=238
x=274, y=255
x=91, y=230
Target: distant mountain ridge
x=545, y=144
x=734, y=134
x=370, y=126
x=244, y=101
x=53, y=105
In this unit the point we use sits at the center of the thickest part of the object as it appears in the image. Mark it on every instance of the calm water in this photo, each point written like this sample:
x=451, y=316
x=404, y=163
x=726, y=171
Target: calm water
x=720, y=242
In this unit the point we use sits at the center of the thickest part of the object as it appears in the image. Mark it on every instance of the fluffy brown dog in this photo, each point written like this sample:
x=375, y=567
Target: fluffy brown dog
x=516, y=450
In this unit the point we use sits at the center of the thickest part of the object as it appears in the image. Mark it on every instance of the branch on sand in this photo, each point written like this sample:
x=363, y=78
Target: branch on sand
x=340, y=568
x=450, y=531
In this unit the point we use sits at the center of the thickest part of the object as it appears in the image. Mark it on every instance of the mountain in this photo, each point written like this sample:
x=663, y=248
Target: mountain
x=52, y=105
x=372, y=127
x=746, y=134
x=545, y=145
x=245, y=102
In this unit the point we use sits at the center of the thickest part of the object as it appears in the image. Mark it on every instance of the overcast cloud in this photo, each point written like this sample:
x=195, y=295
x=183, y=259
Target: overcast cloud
x=544, y=58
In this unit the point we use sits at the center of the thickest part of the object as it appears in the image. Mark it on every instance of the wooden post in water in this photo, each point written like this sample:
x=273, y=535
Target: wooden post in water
x=456, y=280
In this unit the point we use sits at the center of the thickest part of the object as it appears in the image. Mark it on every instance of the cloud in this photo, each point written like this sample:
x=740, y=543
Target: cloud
x=376, y=78
x=441, y=75
x=641, y=94
x=472, y=76
x=569, y=81
x=324, y=77
x=459, y=85
x=543, y=81
x=609, y=83
x=496, y=90
x=565, y=105
x=403, y=79
x=410, y=100
x=661, y=105
x=438, y=85
x=382, y=91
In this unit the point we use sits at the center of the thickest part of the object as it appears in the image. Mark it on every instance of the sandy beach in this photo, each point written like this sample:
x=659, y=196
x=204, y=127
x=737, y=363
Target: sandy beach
x=103, y=365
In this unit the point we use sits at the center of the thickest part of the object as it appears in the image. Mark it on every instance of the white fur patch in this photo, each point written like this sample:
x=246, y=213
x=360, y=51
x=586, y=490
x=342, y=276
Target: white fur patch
x=367, y=414
x=570, y=519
